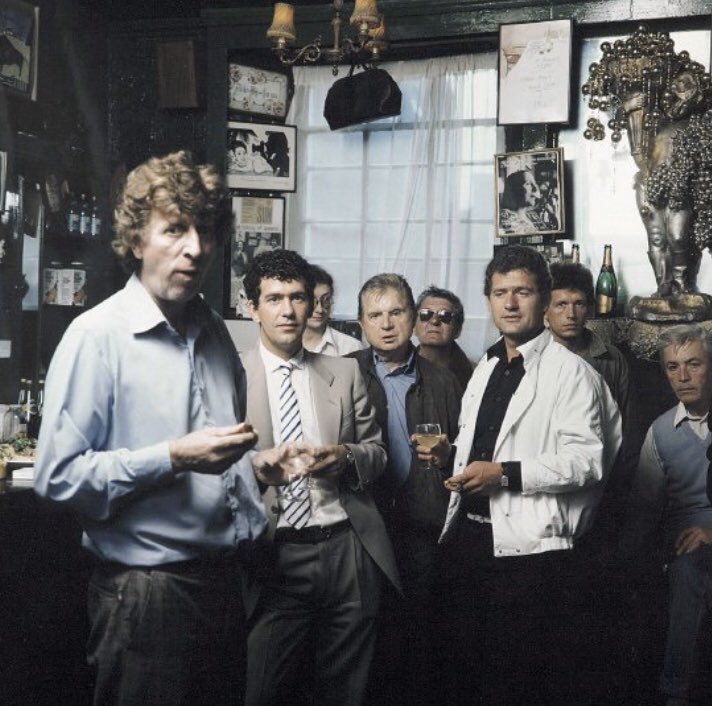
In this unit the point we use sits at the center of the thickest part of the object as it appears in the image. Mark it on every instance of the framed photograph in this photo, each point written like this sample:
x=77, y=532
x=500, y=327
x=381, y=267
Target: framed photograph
x=19, y=25
x=529, y=193
x=258, y=225
x=263, y=92
x=261, y=157
x=534, y=70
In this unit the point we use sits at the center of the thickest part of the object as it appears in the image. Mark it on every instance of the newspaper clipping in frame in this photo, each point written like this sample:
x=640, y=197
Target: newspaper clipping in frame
x=258, y=225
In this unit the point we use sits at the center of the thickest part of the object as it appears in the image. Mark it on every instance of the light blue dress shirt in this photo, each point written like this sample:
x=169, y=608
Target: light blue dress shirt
x=396, y=384
x=121, y=385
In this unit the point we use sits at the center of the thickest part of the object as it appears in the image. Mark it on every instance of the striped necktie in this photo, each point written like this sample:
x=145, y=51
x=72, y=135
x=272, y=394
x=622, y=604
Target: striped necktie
x=296, y=506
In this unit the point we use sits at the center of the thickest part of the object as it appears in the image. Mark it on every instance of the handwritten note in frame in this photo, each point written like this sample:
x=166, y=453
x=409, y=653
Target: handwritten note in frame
x=534, y=72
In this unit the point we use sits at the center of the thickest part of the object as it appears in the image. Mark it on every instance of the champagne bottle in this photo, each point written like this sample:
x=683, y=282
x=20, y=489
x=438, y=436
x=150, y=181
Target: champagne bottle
x=606, y=287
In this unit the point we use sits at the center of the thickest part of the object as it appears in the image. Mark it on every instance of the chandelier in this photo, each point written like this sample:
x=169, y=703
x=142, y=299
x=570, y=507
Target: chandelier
x=365, y=48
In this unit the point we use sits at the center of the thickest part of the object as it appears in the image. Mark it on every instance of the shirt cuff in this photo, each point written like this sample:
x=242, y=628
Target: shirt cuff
x=151, y=462
x=513, y=471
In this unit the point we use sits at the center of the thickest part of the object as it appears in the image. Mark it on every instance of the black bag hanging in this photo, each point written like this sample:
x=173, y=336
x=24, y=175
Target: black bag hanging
x=362, y=97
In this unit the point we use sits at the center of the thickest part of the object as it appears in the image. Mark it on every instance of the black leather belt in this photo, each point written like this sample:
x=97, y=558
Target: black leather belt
x=310, y=535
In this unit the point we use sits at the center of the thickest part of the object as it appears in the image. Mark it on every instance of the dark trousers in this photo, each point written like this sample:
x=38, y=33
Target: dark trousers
x=167, y=636
x=518, y=630
x=403, y=661
x=690, y=587
x=314, y=631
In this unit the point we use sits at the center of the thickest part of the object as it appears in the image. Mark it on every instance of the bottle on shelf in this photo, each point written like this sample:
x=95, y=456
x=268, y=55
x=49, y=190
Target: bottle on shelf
x=85, y=217
x=95, y=219
x=73, y=215
x=30, y=407
x=575, y=254
x=606, y=287
x=34, y=414
x=19, y=427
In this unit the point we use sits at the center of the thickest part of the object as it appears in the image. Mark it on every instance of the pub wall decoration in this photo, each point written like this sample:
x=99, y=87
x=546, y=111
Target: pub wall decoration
x=662, y=98
x=261, y=157
x=19, y=30
x=534, y=62
x=258, y=226
x=260, y=92
x=529, y=193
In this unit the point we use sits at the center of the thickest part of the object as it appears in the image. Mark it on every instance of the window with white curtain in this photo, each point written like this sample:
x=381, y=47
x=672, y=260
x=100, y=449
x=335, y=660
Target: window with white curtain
x=412, y=194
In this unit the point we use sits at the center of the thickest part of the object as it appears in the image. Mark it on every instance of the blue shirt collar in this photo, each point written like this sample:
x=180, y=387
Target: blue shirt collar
x=405, y=368
x=144, y=314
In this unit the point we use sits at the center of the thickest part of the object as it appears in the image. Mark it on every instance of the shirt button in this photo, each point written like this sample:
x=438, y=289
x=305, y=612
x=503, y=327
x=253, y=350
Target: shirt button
x=491, y=427
x=483, y=454
x=506, y=373
x=498, y=399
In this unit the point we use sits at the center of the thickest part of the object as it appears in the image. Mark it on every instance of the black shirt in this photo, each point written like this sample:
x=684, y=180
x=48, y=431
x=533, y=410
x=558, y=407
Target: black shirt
x=501, y=386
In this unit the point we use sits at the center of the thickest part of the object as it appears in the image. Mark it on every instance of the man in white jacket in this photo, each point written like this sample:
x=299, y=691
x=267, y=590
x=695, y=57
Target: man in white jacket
x=539, y=431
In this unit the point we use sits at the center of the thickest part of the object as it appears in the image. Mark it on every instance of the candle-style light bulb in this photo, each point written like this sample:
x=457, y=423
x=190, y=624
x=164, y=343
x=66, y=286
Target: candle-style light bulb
x=365, y=13
x=282, y=26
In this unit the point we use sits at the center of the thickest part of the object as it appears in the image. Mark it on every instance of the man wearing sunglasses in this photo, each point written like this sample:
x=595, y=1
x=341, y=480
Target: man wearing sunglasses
x=671, y=489
x=406, y=390
x=440, y=316
x=319, y=337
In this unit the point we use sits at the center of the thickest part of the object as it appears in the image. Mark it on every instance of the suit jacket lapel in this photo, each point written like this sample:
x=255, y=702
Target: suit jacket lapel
x=258, y=411
x=326, y=402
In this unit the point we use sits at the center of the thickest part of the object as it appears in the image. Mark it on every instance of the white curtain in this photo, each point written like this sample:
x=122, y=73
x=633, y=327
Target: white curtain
x=413, y=194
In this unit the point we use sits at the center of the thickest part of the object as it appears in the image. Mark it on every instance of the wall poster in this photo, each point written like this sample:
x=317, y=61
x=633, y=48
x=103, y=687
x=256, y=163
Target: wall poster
x=258, y=225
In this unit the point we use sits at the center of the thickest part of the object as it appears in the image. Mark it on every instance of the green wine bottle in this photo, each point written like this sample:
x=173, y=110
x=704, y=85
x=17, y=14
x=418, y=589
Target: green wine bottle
x=606, y=287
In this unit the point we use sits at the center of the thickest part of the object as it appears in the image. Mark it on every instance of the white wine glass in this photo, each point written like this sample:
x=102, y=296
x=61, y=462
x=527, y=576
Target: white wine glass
x=297, y=462
x=427, y=435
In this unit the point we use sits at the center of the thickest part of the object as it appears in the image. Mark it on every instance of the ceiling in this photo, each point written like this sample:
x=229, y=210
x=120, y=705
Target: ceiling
x=156, y=9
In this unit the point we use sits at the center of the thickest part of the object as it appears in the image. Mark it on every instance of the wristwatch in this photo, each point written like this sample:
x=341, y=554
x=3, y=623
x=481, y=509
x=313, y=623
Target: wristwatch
x=504, y=480
x=350, y=458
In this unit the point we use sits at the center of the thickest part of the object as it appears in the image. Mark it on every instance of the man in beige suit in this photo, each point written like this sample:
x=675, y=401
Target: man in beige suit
x=318, y=607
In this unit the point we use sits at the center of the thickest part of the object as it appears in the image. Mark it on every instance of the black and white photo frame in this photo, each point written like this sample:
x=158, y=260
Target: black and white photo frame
x=261, y=157
x=529, y=193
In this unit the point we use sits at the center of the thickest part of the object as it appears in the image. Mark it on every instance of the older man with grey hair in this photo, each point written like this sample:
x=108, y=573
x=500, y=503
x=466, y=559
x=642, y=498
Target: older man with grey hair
x=671, y=488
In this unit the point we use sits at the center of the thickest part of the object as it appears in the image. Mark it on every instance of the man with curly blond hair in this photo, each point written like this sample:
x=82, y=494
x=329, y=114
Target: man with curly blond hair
x=144, y=437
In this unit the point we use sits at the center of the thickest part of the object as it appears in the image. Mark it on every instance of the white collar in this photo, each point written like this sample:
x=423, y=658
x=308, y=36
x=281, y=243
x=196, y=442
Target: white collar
x=273, y=362
x=681, y=414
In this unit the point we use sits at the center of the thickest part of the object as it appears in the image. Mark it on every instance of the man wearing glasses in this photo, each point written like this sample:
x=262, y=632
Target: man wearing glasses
x=406, y=390
x=440, y=319
x=672, y=489
x=319, y=337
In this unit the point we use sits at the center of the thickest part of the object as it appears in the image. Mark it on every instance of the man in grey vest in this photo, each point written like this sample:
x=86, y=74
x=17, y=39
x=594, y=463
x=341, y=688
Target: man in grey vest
x=670, y=488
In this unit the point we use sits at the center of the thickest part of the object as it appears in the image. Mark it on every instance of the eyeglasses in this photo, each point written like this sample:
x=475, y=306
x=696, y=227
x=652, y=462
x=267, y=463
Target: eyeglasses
x=326, y=300
x=443, y=315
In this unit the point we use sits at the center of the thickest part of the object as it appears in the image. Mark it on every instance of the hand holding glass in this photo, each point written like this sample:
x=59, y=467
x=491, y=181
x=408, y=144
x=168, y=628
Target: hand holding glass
x=297, y=463
x=427, y=435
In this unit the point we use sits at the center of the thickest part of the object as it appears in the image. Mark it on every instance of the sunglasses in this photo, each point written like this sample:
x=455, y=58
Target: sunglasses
x=443, y=315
